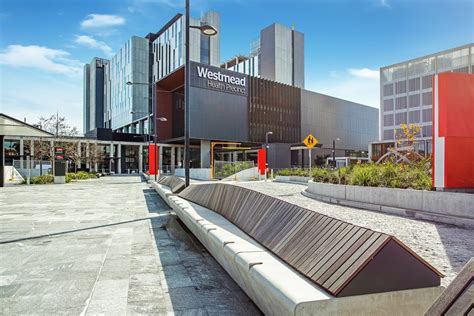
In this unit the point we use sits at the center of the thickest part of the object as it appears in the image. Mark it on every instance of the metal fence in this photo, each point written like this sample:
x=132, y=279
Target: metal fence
x=35, y=168
x=224, y=169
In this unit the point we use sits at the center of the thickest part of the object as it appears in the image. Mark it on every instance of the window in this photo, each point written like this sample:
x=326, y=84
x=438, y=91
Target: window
x=427, y=115
x=388, y=120
x=401, y=87
x=388, y=105
x=427, y=82
x=388, y=89
x=427, y=131
x=414, y=84
x=400, y=118
x=414, y=100
x=205, y=49
x=401, y=103
x=414, y=117
x=427, y=98
x=388, y=134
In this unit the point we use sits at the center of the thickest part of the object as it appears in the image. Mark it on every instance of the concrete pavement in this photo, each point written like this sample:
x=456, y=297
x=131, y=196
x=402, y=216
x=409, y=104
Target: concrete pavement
x=105, y=246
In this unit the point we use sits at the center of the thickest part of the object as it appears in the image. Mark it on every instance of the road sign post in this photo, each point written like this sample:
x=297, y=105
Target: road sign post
x=310, y=141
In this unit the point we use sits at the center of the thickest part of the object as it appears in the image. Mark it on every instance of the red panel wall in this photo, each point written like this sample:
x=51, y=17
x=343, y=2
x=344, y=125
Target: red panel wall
x=456, y=104
x=152, y=156
x=456, y=128
x=164, y=109
x=262, y=161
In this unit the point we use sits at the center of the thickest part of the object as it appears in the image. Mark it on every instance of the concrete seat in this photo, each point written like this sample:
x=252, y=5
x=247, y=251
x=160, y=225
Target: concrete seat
x=274, y=286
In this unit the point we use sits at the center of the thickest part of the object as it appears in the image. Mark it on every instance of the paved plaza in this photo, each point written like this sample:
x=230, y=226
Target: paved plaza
x=446, y=247
x=105, y=246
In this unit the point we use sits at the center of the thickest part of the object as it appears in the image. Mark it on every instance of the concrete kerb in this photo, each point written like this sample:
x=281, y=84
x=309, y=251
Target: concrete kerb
x=444, y=207
x=274, y=286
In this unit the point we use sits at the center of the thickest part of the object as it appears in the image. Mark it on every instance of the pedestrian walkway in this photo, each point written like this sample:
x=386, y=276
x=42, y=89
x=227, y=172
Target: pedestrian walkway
x=105, y=246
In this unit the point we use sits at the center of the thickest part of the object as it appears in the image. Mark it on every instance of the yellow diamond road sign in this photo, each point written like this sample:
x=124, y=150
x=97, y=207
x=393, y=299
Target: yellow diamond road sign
x=310, y=141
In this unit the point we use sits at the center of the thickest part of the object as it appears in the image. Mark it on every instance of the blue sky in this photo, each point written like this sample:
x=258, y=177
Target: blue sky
x=44, y=44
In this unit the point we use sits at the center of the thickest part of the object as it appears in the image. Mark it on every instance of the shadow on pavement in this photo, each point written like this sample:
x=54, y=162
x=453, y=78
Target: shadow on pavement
x=195, y=282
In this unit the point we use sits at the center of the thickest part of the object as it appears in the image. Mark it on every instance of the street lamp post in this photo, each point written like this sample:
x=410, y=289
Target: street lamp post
x=334, y=151
x=151, y=114
x=266, y=152
x=208, y=31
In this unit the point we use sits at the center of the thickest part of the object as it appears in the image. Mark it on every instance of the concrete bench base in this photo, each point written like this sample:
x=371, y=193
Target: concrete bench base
x=274, y=286
x=162, y=190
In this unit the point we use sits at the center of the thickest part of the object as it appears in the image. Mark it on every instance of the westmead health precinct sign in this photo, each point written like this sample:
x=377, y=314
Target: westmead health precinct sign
x=214, y=78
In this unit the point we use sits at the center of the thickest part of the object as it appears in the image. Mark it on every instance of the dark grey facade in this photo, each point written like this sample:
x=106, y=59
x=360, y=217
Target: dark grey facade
x=329, y=118
x=282, y=55
x=94, y=97
x=218, y=106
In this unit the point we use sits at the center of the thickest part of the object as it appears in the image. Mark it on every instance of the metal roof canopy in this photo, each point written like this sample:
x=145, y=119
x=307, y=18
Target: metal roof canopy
x=342, y=258
x=10, y=126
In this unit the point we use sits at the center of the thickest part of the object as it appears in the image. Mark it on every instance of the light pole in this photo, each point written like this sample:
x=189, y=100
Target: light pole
x=151, y=114
x=208, y=31
x=334, y=151
x=266, y=152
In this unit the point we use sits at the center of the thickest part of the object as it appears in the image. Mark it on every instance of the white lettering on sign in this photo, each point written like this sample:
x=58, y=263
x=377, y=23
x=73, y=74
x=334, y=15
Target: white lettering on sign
x=218, y=76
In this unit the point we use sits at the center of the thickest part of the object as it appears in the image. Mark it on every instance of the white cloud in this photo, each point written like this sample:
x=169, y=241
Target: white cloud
x=356, y=85
x=365, y=73
x=40, y=57
x=91, y=42
x=102, y=20
x=384, y=3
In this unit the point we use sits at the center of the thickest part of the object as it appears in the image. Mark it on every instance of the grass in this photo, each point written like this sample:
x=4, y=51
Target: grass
x=70, y=176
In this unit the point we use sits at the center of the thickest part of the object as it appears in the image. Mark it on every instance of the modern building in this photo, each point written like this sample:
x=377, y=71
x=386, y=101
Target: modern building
x=127, y=105
x=406, y=88
x=406, y=94
x=239, y=101
x=93, y=94
x=277, y=55
x=228, y=106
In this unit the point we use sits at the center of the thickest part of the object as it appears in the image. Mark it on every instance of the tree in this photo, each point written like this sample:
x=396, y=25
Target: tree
x=96, y=154
x=57, y=125
x=71, y=153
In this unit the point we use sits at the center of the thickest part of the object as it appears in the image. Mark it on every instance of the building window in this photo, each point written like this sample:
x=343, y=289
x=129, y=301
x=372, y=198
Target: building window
x=205, y=49
x=388, y=120
x=400, y=118
x=427, y=98
x=401, y=87
x=388, y=134
x=388, y=89
x=427, y=82
x=414, y=100
x=427, y=115
x=414, y=84
x=401, y=103
x=414, y=117
x=427, y=131
x=388, y=105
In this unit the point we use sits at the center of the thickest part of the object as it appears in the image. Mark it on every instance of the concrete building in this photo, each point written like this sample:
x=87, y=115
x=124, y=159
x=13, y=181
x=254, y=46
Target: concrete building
x=277, y=55
x=93, y=94
x=406, y=89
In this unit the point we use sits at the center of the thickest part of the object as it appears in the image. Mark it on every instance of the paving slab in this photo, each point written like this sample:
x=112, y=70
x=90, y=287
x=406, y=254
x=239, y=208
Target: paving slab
x=107, y=246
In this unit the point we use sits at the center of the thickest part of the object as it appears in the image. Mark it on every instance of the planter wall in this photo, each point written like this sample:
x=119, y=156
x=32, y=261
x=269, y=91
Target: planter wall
x=444, y=204
x=292, y=179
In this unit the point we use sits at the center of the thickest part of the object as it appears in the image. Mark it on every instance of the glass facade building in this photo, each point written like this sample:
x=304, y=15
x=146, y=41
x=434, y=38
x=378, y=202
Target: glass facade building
x=406, y=89
x=128, y=104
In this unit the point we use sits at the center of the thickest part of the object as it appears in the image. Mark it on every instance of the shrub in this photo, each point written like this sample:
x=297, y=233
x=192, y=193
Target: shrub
x=389, y=174
x=46, y=179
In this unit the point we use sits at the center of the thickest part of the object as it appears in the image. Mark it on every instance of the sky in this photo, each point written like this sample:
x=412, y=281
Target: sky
x=45, y=43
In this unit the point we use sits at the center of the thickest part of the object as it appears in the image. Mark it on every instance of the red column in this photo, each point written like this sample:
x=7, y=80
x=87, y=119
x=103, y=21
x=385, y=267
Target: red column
x=262, y=161
x=152, y=156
